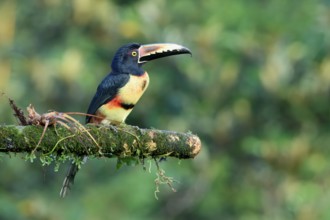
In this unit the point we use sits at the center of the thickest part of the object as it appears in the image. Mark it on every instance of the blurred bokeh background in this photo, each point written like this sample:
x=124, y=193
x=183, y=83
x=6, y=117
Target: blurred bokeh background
x=256, y=91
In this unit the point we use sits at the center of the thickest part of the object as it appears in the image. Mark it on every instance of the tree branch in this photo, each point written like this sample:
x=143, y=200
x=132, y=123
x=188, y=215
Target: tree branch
x=110, y=141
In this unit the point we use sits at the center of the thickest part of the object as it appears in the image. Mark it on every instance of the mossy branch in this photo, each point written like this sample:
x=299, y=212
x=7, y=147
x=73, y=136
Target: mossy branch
x=106, y=141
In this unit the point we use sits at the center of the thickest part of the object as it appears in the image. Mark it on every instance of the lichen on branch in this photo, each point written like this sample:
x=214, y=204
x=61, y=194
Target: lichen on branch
x=112, y=141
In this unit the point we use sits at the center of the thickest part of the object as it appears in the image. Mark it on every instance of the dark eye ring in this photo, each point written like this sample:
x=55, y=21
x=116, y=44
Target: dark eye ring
x=134, y=53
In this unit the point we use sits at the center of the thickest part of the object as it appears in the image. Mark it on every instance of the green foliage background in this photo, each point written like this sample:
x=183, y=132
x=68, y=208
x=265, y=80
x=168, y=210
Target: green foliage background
x=256, y=91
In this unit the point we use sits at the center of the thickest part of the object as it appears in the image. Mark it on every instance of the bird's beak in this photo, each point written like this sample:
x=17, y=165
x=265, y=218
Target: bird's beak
x=149, y=52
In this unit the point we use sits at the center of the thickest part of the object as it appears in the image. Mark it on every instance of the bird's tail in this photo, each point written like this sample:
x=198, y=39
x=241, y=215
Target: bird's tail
x=69, y=179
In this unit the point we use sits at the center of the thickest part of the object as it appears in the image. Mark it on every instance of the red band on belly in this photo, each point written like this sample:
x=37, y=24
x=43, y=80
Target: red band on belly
x=114, y=103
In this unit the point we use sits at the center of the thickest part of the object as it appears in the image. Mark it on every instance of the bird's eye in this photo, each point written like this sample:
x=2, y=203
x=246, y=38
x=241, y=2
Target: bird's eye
x=134, y=53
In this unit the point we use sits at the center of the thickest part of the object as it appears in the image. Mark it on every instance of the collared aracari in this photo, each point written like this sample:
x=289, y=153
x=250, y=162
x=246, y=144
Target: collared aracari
x=122, y=88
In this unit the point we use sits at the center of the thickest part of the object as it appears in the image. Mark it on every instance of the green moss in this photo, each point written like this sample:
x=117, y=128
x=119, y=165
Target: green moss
x=130, y=145
x=11, y=137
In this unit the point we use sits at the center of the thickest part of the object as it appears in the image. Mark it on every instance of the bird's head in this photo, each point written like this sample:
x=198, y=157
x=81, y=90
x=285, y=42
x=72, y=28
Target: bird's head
x=130, y=57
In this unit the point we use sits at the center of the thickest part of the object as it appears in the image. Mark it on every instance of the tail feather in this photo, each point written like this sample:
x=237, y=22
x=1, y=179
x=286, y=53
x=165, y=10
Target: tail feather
x=69, y=180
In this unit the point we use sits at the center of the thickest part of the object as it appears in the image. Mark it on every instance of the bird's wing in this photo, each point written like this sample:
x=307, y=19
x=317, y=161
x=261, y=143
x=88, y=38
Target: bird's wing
x=106, y=91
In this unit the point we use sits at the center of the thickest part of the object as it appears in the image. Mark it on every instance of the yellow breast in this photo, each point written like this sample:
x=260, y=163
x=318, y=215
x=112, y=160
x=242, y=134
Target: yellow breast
x=128, y=94
x=134, y=89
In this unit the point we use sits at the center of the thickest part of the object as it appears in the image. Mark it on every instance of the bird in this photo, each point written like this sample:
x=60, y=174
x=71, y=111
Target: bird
x=121, y=89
